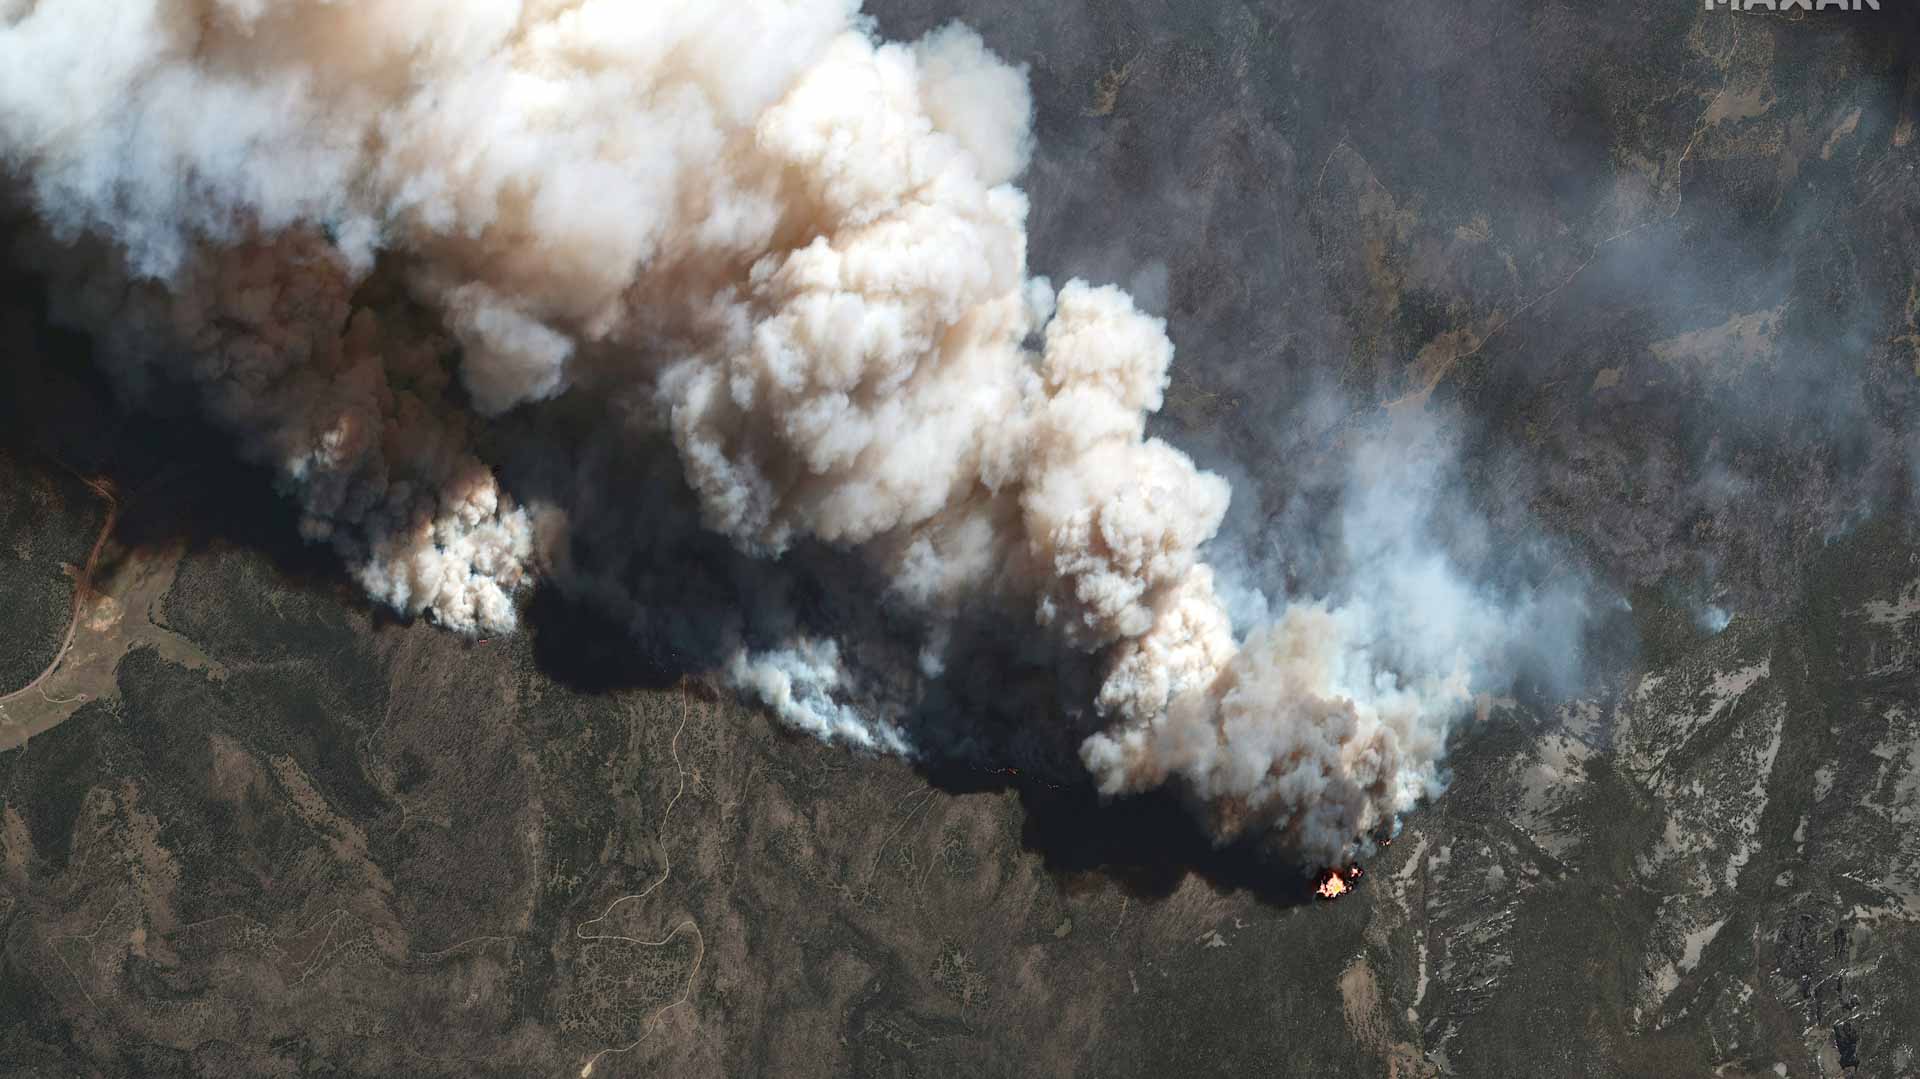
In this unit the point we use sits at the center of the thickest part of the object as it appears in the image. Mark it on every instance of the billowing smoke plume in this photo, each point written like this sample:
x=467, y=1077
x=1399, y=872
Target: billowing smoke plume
x=794, y=250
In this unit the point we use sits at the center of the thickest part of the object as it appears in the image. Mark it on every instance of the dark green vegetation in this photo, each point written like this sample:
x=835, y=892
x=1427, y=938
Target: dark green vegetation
x=49, y=520
x=381, y=850
x=1657, y=266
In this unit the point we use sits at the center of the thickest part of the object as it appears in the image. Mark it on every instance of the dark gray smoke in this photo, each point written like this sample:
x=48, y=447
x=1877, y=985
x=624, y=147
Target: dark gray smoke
x=769, y=271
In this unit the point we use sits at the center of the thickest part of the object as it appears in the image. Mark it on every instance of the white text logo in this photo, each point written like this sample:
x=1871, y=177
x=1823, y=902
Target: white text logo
x=1792, y=5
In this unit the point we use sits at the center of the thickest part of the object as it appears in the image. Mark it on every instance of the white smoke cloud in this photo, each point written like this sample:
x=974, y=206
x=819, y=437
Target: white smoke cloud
x=791, y=247
x=1331, y=718
x=799, y=683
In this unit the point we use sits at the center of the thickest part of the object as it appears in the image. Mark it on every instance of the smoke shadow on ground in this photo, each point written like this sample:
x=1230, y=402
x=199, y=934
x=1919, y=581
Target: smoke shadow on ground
x=636, y=594
x=1146, y=844
x=1003, y=717
x=179, y=486
x=586, y=648
x=175, y=479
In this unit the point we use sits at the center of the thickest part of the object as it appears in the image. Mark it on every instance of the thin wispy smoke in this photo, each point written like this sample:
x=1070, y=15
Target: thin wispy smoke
x=754, y=230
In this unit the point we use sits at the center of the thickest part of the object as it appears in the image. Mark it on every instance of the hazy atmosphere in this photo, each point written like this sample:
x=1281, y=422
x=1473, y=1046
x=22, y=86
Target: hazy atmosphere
x=806, y=538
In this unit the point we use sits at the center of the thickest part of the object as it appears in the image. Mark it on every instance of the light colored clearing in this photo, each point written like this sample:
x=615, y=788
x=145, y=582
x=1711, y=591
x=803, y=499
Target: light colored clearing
x=1477, y=231
x=1636, y=743
x=1562, y=755
x=1649, y=685
x=16, y=845
x=1548, y=780
x=1608, y=377
x=1823, y=777
x=1663, y=981
x=1420, y=986
x=1360, y=1001
x=1654, y=742
x=1906, y=908
x=1743, y=104
x=1405, y=873
x=1697, y=942
x=1722, y=694
x=344, y=838
x=1885, y=613
x=1712, y=831
x=1401, y=889
x=1728, y=686
x=1435, y=359
x=1726, y=350
x=111, y=618
x=1899, y=773
x=1847, y=125
x=1893, y=796
x=1756, y=802
x=1106, y=91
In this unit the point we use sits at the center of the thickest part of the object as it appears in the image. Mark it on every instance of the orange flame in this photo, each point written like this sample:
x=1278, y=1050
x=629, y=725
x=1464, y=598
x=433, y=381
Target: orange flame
x=1335, y=883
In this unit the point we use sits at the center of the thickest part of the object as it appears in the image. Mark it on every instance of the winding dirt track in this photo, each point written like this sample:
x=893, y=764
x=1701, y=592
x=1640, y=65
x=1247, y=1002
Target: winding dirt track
x=82, y=589
x=117, y=595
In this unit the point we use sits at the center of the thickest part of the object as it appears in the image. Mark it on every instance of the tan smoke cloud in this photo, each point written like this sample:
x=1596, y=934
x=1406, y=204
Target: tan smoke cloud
x=1296, y=733
x=792, y=247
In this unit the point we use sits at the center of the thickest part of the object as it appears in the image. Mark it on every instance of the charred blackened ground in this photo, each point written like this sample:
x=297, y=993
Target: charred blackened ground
x=1654, y=266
